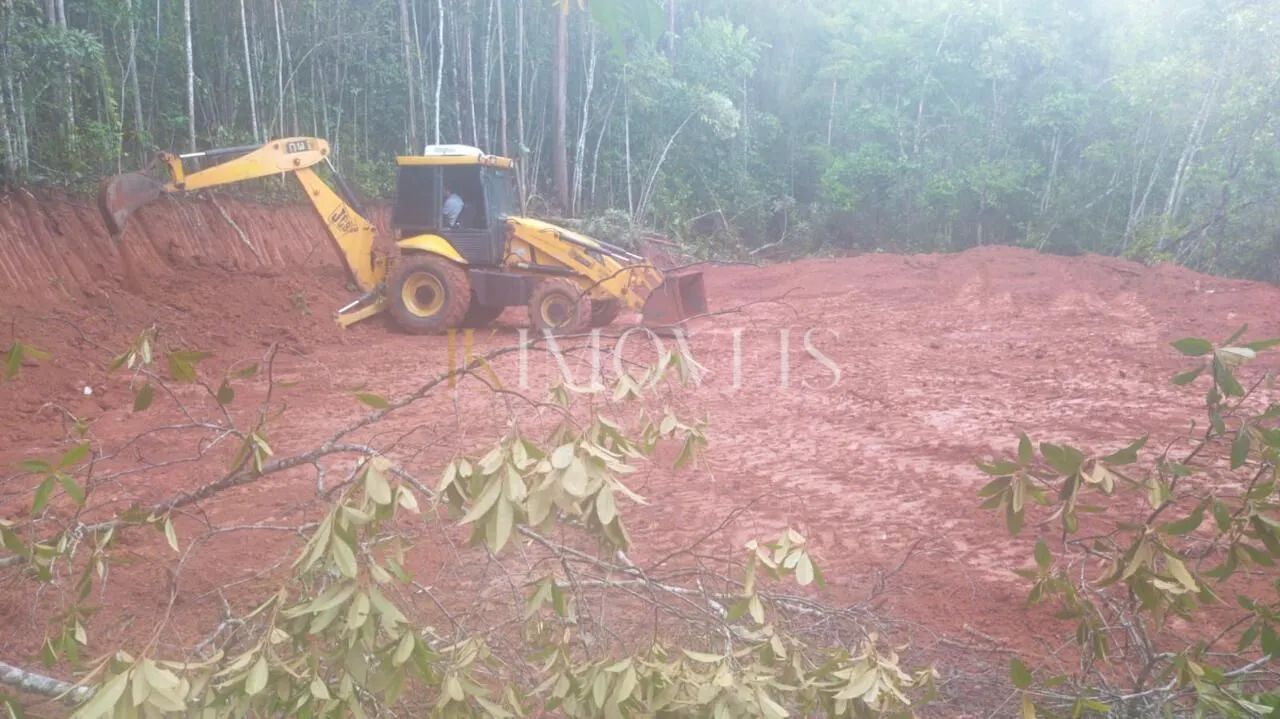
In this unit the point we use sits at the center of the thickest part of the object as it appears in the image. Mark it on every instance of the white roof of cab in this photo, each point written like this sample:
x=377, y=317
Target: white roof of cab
x=452, y=151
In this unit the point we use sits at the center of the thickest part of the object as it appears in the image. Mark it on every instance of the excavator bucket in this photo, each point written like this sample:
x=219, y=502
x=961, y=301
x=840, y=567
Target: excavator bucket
x=119, y=196
x=680, y=297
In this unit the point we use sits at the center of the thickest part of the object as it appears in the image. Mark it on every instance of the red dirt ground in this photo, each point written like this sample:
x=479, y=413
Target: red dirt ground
x=941, y=358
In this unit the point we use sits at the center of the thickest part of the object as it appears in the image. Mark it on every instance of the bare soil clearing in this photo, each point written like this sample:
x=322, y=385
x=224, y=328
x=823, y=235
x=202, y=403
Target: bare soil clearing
x=941, y=359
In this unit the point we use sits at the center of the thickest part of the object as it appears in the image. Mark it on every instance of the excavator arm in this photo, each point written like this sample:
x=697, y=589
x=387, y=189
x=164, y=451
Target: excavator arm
x=352, y=234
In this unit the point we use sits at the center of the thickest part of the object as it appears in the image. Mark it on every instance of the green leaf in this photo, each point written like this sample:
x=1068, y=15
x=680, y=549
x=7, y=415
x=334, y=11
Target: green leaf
x=169, y=534
x=42, y=496
x=74, y=455
x=488, y=497
x=344, y=557
x=703, y=657
x=1240, y=448
x=1181, y=573
x=1065, y=459
x=35, y=466
x=13, y=362
x=999, y=468
x=373, y=400
x=1025, y=451
x=606, y=510
x=142, y=399
x=1043, y=557
x=376, y=486
x=1013, y=519
x=1262, y=345
x=1193, y=346
x=246, y=372
x=1189, y=376
x=1270, y=641
x=1227, y=380
x=181, y=369
x=1019, y=674
x=1128, y=455
x=994, y=487
x=1221, y=515
x=225, y=393
x=73, y=490
x=804, y=571
x=256, y=680
x=562, y=456
x=1185, y=525
x=1236, y=335
x=575, y=478
x=104, y=700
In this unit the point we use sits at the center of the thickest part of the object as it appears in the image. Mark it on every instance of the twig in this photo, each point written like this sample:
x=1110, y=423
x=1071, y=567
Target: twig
x=243, y=237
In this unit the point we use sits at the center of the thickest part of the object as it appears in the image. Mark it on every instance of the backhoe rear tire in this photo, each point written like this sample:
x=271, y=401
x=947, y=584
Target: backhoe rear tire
x=428, y=294
x=559, y=307
x=604, y=312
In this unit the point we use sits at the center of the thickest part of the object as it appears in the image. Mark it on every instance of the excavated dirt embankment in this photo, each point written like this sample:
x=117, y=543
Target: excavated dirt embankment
x=52, y=245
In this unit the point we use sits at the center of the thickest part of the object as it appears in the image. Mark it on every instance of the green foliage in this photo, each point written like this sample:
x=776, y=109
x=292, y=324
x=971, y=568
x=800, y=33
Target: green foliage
x=1147, y=132
x=16, y=355
x=339, y=634
x=1144, y=536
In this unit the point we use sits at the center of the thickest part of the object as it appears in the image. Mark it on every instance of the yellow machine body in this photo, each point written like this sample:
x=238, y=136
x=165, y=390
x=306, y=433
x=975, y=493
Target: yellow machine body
x=514, y=246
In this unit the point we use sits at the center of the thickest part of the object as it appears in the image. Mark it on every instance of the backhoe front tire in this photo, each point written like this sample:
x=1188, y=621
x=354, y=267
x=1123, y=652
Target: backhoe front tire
x=559, y=307
x=428, y=294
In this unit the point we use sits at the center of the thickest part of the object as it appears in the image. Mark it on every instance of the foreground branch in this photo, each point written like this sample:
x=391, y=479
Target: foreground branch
x=33, y=683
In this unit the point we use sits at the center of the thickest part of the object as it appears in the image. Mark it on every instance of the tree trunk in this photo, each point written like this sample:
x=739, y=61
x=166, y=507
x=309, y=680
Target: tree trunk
x=831, y=111
x=277, y=14
x=523, y=168
x=468, y=68
x=488, y=75
x=406, y=42
x=7, y=100
x=459, y=130
x=421, y=78
x=560, y=150
x=671, y=28
x=604, y=129
x=439, y=64
x=626, y=142
x=502, y=86
x=7, y=144
x=139, y=124
x=290, y=87
x=191, y=76
x=580, y=149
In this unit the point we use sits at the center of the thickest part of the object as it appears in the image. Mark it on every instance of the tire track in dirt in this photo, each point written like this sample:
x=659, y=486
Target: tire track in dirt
x=943, y=358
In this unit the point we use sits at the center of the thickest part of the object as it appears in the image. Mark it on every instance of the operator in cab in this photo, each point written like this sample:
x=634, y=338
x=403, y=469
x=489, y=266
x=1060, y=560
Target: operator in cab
x=452, y=207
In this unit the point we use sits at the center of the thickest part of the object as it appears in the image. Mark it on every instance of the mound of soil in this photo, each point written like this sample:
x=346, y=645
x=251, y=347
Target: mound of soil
x=860, y=392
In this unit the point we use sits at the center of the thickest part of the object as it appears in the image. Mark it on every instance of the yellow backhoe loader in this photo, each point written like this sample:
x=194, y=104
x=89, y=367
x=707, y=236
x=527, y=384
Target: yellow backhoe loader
x=448, y=271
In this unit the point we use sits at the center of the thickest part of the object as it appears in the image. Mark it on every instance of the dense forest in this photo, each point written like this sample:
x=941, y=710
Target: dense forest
x=1148, y=128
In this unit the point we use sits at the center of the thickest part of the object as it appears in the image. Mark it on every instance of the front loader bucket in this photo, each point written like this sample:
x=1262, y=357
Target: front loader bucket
x=119, y=196
x=679, y=297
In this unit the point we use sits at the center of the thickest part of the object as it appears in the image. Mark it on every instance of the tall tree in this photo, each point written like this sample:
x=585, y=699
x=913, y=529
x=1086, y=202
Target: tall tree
x=560, y=150
x=191, y=76
x=406, y=41
x=248, y=75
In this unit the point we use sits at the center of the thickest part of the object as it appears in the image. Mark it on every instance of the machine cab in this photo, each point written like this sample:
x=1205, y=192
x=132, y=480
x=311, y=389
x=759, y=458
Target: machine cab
x=486, y=185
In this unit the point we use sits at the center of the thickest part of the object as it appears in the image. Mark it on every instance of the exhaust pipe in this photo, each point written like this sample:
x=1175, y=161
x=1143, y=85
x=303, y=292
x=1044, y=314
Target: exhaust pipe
x=680, y=297
x=120, y=196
